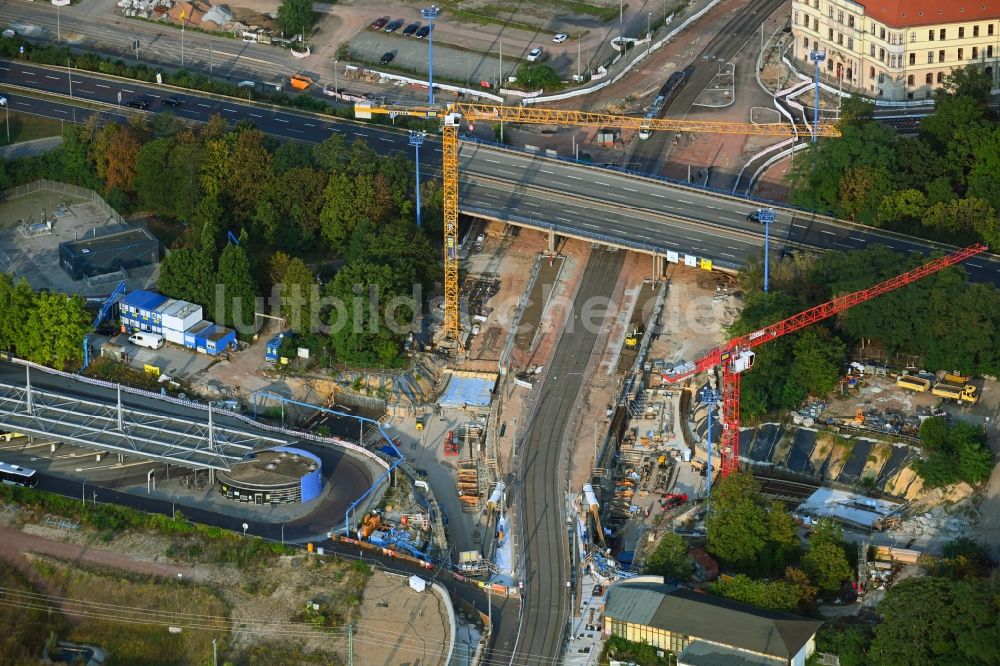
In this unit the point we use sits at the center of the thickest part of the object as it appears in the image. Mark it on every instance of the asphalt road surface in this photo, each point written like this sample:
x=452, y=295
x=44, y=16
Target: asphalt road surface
x=649, y=154
x=581, y=201
x=540, y=468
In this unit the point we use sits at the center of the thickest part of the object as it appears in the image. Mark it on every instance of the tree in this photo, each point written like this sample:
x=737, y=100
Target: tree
x=815, y=368
x=850, y=643
x=152, y=186
x=938, y=621
x=807, y=591
x=295, y=16
x=960, y=559
x=350, y=199
x=16, y=301
x=862, y=188
x=900, y=209
x=952, y=452
x=856, y=110
x=969, y=81
x=248, y=169
x=783, y=541
x=827, y=566
x=359, y=333
x=299, y=298
x=736, y=522
x=54, y=334
x=237, y=288
x=775, y=595
x=115, y=149
x=670, y=559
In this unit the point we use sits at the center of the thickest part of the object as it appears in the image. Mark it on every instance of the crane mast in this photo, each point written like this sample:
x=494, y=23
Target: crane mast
x=736, y=356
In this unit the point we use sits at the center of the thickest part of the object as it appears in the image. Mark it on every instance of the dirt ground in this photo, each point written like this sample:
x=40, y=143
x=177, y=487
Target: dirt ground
x=263, y=600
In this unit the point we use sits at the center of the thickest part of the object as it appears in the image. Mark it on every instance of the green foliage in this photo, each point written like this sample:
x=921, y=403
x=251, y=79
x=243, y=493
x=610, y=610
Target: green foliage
x=962, y=558
x=747, y=533
x=849, y=642
x=938, y=621
x=42, y=327
x=295, y=16
x=25, y=626
x=776, y=595
x=236, y=280
x=619, y=649
x=670, y=559
x=940, y=185
x=827, y=566
x=952, y=453
x=359, y=332
x=538, y=77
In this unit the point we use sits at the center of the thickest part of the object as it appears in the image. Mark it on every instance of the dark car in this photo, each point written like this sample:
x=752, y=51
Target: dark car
x=173, y=100
x=137, y=103
x=394, y=25
x=379, y=23
x=387, y=57
x=423, y=32
x=410, y=29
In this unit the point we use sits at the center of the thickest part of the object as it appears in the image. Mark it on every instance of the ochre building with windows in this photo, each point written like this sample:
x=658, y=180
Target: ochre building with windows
x=702, y=629
x=896, y=50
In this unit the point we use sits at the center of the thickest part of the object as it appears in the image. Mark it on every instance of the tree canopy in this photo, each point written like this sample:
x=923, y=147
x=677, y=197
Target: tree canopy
x=670, y=559
x=42, y=327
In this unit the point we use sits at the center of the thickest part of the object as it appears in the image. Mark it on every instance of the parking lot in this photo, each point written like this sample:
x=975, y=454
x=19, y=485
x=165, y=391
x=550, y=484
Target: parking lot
x=171, y=359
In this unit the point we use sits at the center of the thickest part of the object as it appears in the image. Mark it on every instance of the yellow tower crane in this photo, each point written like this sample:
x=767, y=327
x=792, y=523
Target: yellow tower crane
x=452, y=114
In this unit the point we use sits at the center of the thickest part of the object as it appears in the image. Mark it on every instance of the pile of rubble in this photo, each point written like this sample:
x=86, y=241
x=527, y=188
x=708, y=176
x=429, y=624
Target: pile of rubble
x=936, y=522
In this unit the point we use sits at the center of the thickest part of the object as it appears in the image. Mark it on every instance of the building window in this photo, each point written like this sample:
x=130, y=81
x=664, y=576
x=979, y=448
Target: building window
x=913, y=37
x=961, y=33
x=871, y=49
x=873, y=27
x=805, y=42
x=940, y=77
x=850, y=21
x=881, y=55
x=930, y=57
x=929, y=79
x=881, y=77
x=840, y=16
x=989, y=51
x=815, y=25
x=830, y=34
x=913, y=58
x=881, y=34
x=960, y=52
x=840, y=38
x=975, y=30
x=829, y=64
x=815, y=45
x=830, y=12
x=909, y=80
x=975, y=52
x=941, y=55
x=942, y=34
x=930, y=35
x=989, y=30
x=871, y=72
x=850, y=43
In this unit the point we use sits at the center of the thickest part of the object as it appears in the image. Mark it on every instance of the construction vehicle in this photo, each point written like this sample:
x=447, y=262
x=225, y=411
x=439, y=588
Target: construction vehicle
x=421, y=421
x=957, y=389
x=632, y=339
x=452, y=115
x=7, y=436
x=913, y=384
x=737, y=355
x=300, y=81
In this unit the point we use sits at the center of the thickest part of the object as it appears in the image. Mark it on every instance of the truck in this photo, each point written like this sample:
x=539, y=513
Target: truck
x=913, y=384
x=957, y=389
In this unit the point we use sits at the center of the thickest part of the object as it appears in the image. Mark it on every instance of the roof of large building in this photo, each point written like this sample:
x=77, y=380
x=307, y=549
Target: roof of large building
x=712, y=618
x=914, y=13
x=144, y=300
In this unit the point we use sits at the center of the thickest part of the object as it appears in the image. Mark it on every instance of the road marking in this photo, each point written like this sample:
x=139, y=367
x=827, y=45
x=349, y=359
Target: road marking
x=564, y=219
x=254, y=115
x=437, y=150
x=842, y=244
x=629, y=189
x=492, y=161
x=824, y=231
x=589, y=226
x=969, y=263
x=60, y=110
x=203, y=105
x=855, y=238
x=54, y=78
x=308, y=124
x=800, y=226
x=546, y=171
x=574, y=177
x=101, y=85
x=22, y=103
x=358, y=133
x=382, y=138
x=280, y=120
x=5, y=68
x=28, y=73
x=658, y=196
x=509, y=173
x=127, y=90
x=81, y=90
x=690, y=203
x=712, y=207
x=295, y=130
x=597, y=182
x=726, y=254
x=229, y=110
x=334, y=129
x=78, y=82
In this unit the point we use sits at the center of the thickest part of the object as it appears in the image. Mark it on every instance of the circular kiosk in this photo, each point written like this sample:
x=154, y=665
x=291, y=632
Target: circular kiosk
x=284, y=475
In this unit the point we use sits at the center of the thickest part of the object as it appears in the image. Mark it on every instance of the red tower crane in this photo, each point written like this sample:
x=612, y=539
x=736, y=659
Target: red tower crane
x=736, y=356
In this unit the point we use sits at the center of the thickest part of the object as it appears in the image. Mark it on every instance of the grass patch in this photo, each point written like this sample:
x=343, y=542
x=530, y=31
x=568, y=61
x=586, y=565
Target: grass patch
x=622, y=650
x=27, y=127
x=25, y=629
x=603, y=14
x=139, y=636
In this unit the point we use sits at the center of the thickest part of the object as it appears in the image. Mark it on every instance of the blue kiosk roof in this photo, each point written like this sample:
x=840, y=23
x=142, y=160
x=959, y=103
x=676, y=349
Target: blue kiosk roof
x=144, y=300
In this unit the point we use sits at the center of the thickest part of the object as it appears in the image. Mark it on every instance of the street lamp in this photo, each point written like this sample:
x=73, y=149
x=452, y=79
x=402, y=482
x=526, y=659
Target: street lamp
x=649, y=37
x=430, y=13
x=766, y=217
x=335, y=88
x=245, y=526
x=817, y=57
x=416, y=140
x=711, y=398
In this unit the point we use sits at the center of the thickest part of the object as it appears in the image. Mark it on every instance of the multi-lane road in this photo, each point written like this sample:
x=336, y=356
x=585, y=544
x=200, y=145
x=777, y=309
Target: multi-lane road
x=581, y=201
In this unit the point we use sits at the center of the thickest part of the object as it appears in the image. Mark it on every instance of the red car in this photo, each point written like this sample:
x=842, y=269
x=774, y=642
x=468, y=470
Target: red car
x=671, y=500
x=378, y=24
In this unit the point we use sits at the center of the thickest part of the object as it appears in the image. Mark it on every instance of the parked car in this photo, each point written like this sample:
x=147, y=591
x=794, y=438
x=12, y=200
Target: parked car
x=560, y=38
x=410, y=29
x=423, y=32
x=387, y=57
x=395, y=25
x=172, y=100
x=137, y=103
x=379, y=23
x=150, y=340
x=534, y=54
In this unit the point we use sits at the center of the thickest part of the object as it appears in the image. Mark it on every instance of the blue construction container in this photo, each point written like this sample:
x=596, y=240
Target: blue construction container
x=273, y=348
x=208, y=338
x=137, y=311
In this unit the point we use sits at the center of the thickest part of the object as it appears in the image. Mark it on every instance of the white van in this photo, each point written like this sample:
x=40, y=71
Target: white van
x=151, y=340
